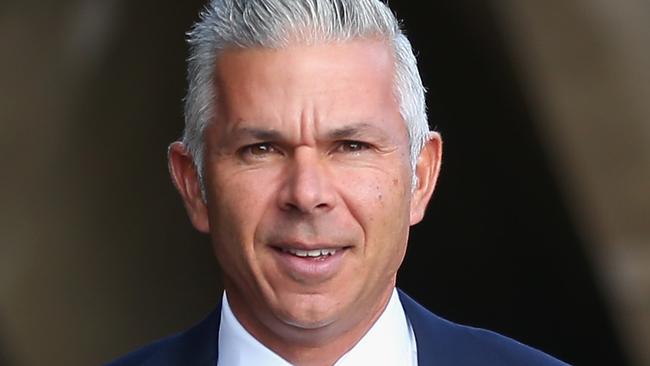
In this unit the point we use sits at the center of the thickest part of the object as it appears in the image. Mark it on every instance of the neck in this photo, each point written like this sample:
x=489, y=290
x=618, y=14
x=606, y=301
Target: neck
x=321, y=346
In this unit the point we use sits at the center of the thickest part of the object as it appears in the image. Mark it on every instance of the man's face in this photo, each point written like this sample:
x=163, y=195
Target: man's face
x=309, y=196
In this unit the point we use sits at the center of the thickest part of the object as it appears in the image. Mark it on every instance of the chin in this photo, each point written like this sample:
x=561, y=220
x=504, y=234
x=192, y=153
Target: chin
x=308, y=323
x=308, y=311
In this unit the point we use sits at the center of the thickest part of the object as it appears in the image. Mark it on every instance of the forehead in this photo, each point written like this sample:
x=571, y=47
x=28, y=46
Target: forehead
x=342, y=82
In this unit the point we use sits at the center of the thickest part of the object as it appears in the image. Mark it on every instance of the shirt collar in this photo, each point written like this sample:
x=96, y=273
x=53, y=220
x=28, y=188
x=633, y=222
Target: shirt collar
x=390, y=341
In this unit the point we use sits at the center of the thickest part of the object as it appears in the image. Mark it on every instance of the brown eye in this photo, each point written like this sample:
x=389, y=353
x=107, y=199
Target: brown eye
x=353, y=146
x=257, y=152
x=261, y=149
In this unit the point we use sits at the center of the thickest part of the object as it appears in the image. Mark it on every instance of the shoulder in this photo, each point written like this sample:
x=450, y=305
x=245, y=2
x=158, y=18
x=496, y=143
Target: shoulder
x=196, y=346
x=483, y=347
x=448, y=343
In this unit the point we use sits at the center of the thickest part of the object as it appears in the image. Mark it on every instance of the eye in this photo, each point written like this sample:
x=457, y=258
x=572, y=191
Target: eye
x=258, y=151
x=350, y=146
x=261, y=149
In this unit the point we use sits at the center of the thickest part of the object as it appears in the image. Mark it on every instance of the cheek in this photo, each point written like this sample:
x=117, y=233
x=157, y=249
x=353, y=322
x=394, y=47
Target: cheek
x=236, y=208
x=380, y=204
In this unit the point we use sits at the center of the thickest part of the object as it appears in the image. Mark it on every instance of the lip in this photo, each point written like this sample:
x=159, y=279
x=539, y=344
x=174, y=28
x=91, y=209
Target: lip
x=310, y=270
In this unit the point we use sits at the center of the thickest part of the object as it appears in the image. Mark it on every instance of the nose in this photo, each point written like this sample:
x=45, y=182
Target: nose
x=307, y=187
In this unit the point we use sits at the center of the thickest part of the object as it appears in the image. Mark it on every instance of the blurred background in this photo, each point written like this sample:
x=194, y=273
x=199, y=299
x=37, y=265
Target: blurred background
x=539, y=229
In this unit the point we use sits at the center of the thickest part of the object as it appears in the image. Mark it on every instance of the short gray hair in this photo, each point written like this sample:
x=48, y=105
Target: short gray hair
x=279, y=23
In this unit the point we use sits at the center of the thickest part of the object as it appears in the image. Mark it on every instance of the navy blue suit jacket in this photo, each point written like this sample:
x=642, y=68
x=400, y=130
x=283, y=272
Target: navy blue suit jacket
x=439, y=343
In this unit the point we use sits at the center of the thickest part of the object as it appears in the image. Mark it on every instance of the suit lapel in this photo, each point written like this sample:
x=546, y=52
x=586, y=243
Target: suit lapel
x=198, y=346
x=432, y=333
x=419, y=318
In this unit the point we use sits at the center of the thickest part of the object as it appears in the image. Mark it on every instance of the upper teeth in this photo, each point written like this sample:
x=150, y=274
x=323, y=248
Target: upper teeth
x=309, y=253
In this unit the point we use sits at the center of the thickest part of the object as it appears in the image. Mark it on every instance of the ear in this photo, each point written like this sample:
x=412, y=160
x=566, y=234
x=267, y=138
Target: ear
x=426, y=172
x=186, y=180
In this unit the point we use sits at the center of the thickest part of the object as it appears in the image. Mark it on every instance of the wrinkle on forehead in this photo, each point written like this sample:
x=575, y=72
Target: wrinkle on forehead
x=300, y=91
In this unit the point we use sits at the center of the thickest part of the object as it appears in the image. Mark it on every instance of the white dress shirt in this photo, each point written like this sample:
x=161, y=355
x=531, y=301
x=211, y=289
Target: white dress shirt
x=390, y=341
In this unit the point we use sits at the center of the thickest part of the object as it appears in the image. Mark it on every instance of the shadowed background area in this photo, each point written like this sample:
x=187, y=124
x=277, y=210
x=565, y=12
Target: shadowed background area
x=539, y=228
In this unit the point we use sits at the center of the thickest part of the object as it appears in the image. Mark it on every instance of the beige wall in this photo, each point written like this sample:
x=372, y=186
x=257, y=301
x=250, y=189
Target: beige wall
x=586, y=66
x=79, y=208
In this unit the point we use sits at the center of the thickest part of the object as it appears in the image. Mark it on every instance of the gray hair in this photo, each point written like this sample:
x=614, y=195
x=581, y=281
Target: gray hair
x=279, y=23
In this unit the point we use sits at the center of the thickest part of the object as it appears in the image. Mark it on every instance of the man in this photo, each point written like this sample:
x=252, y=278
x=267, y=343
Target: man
x=306, y=157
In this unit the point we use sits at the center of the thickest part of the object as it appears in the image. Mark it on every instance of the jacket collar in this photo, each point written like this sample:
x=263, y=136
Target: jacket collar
x=427, y=328
x=200, y=343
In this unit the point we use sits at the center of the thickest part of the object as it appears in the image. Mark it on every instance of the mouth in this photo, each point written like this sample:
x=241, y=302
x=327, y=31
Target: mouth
x=311, y=264
x=313, y=253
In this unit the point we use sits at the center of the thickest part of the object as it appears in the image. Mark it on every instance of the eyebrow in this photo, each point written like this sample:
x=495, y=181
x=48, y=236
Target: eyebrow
x=356, y=130
x=259, y=133
x=347, y=132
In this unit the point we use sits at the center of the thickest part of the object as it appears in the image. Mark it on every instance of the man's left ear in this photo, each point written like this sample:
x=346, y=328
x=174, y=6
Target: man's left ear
x=426, y=172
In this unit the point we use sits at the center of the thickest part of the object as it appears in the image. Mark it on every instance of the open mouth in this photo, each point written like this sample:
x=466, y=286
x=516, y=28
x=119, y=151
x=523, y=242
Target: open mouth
x=310, y=253
x=320, y=253
x=310, y=264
